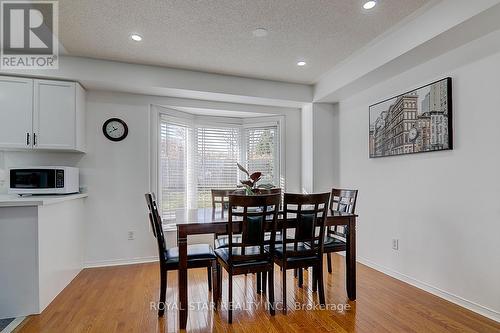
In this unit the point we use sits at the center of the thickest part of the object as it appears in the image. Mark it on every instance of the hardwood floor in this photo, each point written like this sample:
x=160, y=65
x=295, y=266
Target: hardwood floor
x=117, y=299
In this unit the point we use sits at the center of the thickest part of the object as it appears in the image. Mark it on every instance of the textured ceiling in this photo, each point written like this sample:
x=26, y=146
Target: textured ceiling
x=216, y=35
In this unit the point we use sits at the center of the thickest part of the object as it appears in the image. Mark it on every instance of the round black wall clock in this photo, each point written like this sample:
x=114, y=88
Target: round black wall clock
x=115, y=129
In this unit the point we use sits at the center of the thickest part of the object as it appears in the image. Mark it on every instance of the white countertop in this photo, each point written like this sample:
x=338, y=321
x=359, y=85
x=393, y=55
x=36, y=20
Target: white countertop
x=10, y=200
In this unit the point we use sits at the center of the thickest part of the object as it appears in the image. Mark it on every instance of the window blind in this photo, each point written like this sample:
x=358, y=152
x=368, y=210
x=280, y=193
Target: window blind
x=218, y=149
x=197, y=157
x=174, y=167
x=262, y=153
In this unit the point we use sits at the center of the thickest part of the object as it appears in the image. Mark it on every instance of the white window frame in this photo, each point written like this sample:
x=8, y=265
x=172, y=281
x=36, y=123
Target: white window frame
x=156, y=112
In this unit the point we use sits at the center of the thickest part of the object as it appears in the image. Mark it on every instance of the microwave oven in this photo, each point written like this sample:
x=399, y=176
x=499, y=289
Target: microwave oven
x=44, y=180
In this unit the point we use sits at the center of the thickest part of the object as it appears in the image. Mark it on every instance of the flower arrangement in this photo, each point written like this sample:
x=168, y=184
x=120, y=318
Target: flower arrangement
x=251, y=183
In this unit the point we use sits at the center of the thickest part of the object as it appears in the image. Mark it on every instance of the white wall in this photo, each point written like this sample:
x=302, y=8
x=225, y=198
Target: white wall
x=320, y=151
x=325, y=147
x=442, y=206
x=307, y=143
x=117, y=175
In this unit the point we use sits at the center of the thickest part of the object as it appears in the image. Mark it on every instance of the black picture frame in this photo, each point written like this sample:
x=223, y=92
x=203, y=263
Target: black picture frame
x=125, y=132
x=428, y=109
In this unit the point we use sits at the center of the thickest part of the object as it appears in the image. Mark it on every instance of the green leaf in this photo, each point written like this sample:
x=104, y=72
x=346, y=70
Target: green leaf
x=266, y=186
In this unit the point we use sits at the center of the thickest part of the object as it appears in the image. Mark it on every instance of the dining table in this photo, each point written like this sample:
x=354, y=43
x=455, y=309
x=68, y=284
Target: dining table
x=209, y=221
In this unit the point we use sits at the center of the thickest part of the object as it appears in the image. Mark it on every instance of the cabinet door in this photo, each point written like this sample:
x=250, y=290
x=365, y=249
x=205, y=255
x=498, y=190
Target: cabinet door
x=54, y=124
x=16, y=110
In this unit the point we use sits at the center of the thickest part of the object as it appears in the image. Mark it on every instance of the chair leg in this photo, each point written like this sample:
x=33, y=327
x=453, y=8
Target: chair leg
x=284, y=289
x=301, y=277
x=321, y=285
x=271, y=292
x=215, y=282
x=230, y=299
x=295, y=272
x=219, y=284
x=209, y=275
x=329, y=260
x=163, y=291
x=314, y=279
x=264, y=282
x=259, y=281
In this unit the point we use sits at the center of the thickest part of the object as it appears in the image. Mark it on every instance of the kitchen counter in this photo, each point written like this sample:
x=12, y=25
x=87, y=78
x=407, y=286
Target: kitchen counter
x=13, y=200
x=41, y=249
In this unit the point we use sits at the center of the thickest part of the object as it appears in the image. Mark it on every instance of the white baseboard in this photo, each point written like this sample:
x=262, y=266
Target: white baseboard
x=480, y=309
x=118, y=262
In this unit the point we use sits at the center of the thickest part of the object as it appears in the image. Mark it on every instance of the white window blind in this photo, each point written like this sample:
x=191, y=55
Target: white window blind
x=196, y=157
x=174, y=167
x=262, y=152
x=218, y=149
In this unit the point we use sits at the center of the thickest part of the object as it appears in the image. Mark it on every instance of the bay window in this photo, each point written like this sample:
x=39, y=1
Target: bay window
x=199, y=154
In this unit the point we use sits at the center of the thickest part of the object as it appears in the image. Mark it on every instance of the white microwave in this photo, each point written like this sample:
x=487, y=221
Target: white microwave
x=44, y=180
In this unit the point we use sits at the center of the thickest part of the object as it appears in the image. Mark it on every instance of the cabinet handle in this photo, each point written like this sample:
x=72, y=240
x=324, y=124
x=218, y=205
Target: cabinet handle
x=27, y=139
x=34, y=139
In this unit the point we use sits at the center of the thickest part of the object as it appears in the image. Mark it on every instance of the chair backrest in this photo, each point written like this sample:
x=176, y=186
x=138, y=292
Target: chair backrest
x=156, y=224
x=221, y=196
x=342, y=200
x=306, y=214
x=251, y=216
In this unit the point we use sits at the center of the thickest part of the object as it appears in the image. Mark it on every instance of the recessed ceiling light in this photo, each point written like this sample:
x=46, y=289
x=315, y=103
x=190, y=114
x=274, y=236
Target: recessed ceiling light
x=301, y=63
x=136, y=37
x=370, y=4
x=260, y=32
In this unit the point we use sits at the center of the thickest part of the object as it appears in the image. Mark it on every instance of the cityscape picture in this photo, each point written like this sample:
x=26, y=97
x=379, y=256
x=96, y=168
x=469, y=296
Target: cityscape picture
x=414, y=122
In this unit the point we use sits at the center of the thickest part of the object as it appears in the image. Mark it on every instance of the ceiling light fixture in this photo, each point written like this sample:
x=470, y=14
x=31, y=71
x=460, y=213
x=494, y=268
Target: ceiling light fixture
x=301, y=63
x=260, y=32
x=136, y=37
x=369, y=4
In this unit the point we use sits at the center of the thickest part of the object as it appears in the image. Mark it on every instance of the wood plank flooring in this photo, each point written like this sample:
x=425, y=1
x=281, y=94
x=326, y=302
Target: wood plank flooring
x=118, y=299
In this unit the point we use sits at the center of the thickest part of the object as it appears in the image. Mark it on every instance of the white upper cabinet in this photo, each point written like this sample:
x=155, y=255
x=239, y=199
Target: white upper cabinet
x=16, y=108
x=55, y=118
x=54, y=121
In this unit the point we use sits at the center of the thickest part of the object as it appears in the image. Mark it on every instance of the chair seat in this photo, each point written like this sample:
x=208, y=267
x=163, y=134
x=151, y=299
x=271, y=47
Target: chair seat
x=194, y=252
x=333, y=242
x=278, y=252
x=223, y=254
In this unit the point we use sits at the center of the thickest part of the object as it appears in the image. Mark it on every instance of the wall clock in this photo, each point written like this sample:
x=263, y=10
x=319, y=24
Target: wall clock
x=413, y=134
x=115, y=129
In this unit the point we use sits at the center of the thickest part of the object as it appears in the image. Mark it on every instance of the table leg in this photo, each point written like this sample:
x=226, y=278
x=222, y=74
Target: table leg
x=183, y=276
x=350, y=259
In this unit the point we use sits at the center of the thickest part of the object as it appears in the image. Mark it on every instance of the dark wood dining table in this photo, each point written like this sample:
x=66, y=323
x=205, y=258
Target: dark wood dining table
x=206, y=221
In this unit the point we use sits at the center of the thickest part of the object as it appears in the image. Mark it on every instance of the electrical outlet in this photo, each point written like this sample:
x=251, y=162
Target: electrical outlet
x=395, y=244
x=131, y=235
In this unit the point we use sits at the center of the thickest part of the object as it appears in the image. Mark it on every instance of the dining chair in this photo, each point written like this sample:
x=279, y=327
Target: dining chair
x=221, y=197
x=198, y=255
x=221, y=240
x=249, y=216
x=305, y=215
x=342, y=200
